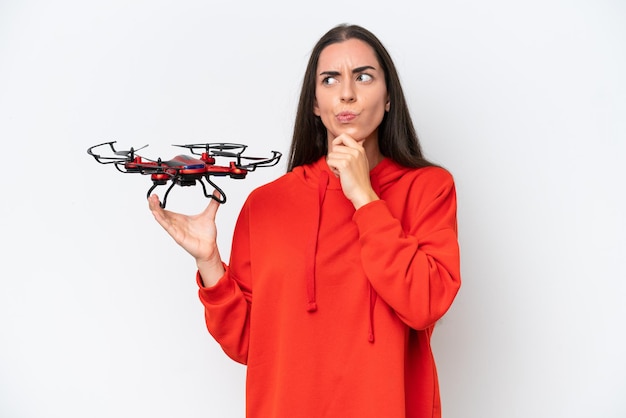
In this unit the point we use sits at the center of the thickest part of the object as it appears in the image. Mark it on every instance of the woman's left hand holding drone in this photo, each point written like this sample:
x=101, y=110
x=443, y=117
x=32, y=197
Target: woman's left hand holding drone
x=196, y=234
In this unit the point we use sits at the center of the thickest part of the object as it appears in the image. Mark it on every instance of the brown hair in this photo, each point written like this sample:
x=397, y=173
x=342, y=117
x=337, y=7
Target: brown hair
x=397, y=138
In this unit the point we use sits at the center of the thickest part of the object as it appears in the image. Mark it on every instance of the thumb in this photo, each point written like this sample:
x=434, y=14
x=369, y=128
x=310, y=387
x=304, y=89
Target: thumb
x=213, y=206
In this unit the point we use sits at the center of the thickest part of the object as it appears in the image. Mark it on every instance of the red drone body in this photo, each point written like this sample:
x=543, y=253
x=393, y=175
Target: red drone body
x=185, y=170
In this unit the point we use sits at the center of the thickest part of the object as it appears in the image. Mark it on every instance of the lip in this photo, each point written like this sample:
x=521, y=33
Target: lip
x=346, y=116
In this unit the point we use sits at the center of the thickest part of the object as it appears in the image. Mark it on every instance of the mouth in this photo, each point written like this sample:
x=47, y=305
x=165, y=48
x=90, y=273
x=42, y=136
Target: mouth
x=345, y=117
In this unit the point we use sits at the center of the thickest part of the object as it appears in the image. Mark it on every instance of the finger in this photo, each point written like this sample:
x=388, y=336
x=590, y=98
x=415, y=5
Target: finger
x=343, y=157
x=154, y=202
x=158, y=212
x=155, y=207
x=347, y=140
x=213, y=206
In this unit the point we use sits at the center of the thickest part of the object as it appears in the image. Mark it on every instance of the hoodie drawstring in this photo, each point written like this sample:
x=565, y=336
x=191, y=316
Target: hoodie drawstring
x=373, y=298
x=310, y=282
x=312, y=252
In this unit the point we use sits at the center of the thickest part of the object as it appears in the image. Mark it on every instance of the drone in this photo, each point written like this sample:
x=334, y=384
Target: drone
x=186, y=170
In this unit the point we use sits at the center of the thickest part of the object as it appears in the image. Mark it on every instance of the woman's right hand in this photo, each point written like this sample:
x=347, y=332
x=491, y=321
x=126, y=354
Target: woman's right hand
x=196, y=234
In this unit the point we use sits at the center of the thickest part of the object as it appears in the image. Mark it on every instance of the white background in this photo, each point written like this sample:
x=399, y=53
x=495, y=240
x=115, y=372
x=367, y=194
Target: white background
x=524, y=102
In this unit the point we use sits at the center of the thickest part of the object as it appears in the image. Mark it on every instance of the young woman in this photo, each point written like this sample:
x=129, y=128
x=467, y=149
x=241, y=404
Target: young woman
x=340, y=268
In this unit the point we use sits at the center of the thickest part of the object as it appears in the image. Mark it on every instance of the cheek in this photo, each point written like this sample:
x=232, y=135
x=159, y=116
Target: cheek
x=322, y=104
x=378, y=111
x=384, y=107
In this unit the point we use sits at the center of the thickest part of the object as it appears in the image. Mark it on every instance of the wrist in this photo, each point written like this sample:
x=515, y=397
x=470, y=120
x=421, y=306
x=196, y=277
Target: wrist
x=211, y=271
x=363, y=200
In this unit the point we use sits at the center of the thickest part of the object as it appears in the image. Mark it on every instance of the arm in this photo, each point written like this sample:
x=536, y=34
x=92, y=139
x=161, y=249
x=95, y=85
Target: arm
x=227, y=303
x=414, y=264
x=226, y=300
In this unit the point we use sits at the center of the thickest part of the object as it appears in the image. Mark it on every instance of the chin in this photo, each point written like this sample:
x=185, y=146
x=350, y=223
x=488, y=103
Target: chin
x=353, y=133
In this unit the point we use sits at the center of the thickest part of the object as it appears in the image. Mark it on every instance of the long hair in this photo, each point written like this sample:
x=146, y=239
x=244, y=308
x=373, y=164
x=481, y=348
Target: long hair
x=397, y=138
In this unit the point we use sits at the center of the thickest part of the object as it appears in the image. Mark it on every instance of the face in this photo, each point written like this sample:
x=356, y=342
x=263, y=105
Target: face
x=351, y=94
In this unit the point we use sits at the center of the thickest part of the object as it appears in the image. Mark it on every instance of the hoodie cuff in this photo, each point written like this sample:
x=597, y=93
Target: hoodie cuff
x=371, y=214
x=223, y=290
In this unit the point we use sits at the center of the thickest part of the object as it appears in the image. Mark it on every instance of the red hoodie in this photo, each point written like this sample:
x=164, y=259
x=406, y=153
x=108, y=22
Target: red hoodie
x=332, y=309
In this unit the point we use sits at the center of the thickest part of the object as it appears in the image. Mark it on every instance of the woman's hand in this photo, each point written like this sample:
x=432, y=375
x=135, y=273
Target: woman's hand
x=348, y=160
x=196, y=234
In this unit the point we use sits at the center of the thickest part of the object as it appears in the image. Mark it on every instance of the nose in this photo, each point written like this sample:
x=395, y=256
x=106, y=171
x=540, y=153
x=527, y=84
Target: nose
x=347, y=93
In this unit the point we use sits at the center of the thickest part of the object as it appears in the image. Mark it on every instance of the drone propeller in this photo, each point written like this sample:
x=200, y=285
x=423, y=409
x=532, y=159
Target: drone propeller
x=226, y=154
x=214, y=145
x=130, y=153
x=217, y=149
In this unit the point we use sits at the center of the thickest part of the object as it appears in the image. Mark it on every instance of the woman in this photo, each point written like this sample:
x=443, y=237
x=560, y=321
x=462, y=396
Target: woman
x=340, y=268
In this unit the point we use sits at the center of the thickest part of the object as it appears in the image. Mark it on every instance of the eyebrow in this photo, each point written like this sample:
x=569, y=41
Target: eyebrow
x=354, y=71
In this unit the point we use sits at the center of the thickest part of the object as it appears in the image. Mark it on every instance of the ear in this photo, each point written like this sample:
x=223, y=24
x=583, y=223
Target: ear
x=387, y=105
x=316, y=108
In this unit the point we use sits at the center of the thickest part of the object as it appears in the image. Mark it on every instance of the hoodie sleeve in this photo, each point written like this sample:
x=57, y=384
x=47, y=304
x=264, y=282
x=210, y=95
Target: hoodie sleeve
x=227, y=304
x=412, y=258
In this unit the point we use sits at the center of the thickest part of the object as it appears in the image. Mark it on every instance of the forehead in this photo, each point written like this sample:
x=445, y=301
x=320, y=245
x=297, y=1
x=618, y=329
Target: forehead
x=352, y=52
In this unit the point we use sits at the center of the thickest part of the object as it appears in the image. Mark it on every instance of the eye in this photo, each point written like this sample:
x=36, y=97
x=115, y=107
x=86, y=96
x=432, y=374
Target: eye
x=364, y=78
x=329, y=81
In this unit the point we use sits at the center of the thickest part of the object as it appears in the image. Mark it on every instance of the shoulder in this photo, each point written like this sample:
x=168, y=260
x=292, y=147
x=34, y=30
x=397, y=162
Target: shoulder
x=434, y=173
x=428, y=179
x=434, y=181
x=419, y=188
x=279, y=188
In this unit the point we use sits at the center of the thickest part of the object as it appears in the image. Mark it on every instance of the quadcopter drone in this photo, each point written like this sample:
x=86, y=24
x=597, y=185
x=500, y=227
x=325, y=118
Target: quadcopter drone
x=185, y=170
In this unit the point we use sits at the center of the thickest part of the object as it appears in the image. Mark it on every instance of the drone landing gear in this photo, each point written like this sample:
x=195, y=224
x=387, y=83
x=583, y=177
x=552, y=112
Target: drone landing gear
x=187, y=182
x=222, y=197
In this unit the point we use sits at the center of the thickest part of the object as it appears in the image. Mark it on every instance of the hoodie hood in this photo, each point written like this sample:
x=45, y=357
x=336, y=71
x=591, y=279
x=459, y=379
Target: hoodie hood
x=319, y=177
